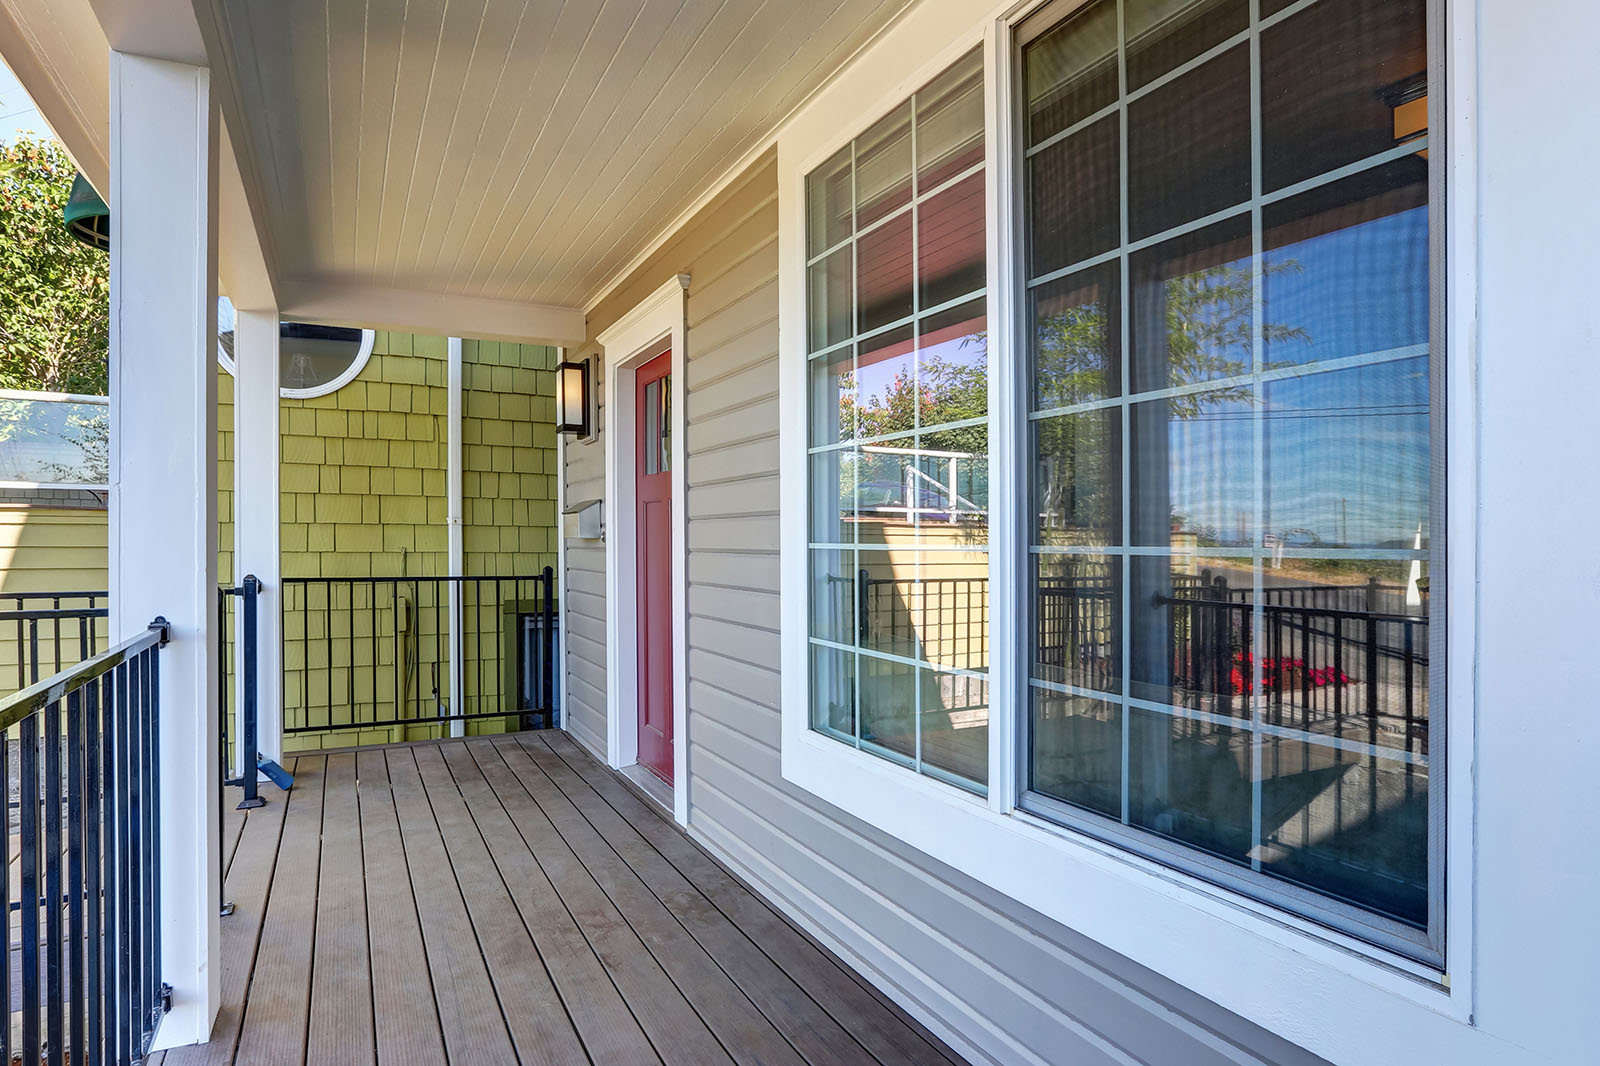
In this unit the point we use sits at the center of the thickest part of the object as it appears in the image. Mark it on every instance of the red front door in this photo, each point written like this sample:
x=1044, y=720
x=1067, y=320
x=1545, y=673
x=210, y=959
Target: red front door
x=653, y=463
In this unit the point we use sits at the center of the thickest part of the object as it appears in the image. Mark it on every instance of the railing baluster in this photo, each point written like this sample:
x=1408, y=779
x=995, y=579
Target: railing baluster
x=122, y=939
x=94, y=794
x=51, y=806
x=5, y=895
x=78, y=997
x=28, y=882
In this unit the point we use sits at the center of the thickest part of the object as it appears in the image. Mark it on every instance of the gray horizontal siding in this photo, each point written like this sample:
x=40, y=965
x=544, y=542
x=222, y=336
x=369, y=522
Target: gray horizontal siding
x=1000, y=981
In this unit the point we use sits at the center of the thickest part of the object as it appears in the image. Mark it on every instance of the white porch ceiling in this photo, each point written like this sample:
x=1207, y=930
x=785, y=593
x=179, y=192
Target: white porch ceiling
x=517, y=151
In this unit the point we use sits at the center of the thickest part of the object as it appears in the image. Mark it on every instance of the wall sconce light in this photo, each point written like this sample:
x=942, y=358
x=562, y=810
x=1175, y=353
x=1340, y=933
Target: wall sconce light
x=572, y=397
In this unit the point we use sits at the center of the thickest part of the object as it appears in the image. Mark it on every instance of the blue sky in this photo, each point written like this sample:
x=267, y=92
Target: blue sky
x=18, y=116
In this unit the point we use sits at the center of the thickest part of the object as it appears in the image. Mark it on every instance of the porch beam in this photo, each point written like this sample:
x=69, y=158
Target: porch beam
x=337, y=303
x=163, y=500
x=255, y=517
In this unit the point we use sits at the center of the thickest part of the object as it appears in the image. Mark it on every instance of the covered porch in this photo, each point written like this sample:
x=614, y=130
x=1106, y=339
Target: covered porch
x=510, y=900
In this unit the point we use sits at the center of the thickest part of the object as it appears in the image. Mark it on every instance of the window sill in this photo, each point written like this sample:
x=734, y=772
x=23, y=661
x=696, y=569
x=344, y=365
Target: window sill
x=1306, y=983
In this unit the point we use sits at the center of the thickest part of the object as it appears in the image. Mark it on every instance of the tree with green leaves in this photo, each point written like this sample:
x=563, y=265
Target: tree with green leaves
x=54, y=290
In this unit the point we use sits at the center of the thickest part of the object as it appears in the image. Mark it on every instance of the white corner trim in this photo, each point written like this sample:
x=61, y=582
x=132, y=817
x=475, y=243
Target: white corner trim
x=660, y=316
x=453, y=529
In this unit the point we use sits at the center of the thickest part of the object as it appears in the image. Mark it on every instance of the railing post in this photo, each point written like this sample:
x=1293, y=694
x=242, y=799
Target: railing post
x=549, y=635
x=248, y=741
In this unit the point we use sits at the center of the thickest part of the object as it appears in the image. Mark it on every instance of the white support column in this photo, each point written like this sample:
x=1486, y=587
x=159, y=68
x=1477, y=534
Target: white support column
x=163, y=520
x=255, y=521
x=453, y=516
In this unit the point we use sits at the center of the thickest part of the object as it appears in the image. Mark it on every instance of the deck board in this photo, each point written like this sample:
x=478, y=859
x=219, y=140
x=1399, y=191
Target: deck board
x=885, y=1030
x=606, y=1026
x=810, y=1029
x=750, y=1036
x=404, y=1012
x=535, y=1014
x=274, y=1028
x=509, y=900
x=470, y=1013
x=679, y=1036
x=341, y=1031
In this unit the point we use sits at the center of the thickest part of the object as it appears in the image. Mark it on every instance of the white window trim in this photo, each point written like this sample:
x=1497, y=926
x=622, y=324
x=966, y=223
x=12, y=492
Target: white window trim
x=1325, y=991
x=363, y=355
x=659, y=317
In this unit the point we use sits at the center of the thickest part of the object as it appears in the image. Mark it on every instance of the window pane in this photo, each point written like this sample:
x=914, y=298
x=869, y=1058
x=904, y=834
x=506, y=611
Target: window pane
x=311, y=356
x=652, y=427
x=829, y=298
x=1357, y=245
x=1336, y=82
x=1077, y=338
x=953, y=365
x=1189, y=780
x=1189, y=625
x=883, y=167
x=1077, y=621
x=1192, y=459
x=1076, y=754
x=834, y=594
x=1192, y=307
x=833, y=495
x=950, y=243
x=1189, y=146
x=890, y=699
x=1070, y=72
x=883, y=270
x=1165, y=34
x=950, y=123
x=886, y=376
x=833, y=397
x=1348, y=456
x=1078, y=478
x=833, y=691
x=1073, y=199
x=955, y=725
x=828, y=204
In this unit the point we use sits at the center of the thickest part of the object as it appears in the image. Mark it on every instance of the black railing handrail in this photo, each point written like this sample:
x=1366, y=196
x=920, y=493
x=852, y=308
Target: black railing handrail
x=1288, y=608
x=457, y=578
x=45, y=614
x=92, y=594
x=17, y=706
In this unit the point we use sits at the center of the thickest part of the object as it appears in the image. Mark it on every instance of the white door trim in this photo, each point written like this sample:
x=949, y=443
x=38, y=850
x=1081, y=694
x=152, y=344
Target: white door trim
x=659, y=317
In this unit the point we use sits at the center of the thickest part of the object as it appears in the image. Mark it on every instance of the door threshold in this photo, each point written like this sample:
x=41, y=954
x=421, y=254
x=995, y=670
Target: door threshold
x=651, y=785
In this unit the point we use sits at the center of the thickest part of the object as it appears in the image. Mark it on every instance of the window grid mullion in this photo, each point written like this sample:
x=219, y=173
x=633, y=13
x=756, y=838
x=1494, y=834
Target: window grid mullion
x=1257, y=647
x=1124, y=387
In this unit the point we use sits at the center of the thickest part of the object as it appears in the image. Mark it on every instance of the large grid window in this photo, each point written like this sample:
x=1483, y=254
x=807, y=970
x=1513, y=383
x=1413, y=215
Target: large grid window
x=1227, y=465
x=899, y=437
x=1230, y=443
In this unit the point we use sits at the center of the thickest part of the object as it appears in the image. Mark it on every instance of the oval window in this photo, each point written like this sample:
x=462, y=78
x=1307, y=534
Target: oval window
x=313, y=360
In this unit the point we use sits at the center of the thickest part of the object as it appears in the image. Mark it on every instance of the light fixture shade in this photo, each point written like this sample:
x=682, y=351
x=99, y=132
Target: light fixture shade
x=572, y=398
x=86, y=216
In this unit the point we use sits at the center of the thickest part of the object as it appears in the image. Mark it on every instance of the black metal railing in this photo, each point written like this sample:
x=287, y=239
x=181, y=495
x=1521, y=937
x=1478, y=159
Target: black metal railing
x=43, y=633
x=376, y=653
x=83, y=980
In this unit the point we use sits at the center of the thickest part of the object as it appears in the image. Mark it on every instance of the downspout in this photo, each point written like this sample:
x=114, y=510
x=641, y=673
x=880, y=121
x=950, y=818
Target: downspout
x=454, y=530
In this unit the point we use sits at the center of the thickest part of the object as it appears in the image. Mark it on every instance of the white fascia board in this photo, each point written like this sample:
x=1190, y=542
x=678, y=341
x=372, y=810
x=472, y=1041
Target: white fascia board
x=337, y=303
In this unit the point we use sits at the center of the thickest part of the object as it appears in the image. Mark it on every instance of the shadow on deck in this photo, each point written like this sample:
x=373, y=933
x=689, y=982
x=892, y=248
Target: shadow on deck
x=510, y=900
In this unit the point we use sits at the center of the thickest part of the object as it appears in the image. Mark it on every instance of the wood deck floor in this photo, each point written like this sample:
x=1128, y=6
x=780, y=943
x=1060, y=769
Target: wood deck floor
x=509, y=900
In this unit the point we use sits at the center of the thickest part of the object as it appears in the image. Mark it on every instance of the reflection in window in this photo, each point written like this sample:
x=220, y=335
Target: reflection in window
x=50, y=440
x=1230, y=427
x=899, y=431
x=313, y=360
